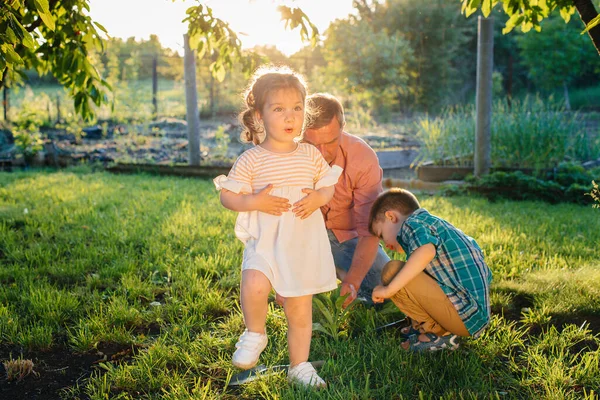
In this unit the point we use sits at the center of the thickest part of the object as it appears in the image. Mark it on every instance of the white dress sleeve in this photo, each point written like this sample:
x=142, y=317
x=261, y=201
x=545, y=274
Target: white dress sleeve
x=330, y=178
x=224, y=182
x=239, y=179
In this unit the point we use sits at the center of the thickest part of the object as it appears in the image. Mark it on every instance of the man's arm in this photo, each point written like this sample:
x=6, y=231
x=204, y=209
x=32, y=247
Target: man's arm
x=367, y=188
x=364, y=256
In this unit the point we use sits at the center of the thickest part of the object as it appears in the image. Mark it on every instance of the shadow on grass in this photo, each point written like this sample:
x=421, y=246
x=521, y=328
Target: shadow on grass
x=520, y=301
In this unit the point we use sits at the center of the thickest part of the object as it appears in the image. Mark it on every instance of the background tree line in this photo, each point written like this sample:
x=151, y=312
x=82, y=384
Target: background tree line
x=393, y=56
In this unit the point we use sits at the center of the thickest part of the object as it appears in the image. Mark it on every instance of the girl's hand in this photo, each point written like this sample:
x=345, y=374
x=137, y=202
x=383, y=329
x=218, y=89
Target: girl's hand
x=379, y=294
x=266, y=203
x=313, y=200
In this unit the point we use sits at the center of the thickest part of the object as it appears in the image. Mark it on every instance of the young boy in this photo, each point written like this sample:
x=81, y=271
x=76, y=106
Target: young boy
x=444, y=285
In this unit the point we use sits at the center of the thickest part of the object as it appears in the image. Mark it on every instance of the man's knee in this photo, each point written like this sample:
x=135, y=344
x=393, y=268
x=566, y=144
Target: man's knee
x=390, y=270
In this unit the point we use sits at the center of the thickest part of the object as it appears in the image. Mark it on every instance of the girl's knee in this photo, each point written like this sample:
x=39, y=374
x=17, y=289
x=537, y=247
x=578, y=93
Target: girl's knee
x=298, y=308
x=390, y=270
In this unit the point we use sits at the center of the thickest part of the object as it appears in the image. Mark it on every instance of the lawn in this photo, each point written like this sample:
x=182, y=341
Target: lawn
x=126, y=287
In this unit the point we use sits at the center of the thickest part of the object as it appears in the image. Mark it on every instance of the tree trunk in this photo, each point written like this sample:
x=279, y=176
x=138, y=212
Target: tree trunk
x=588, y=12
x=5, y=103
x=154, y=88
x=485, y=65
x=567, y=101
x=509, y=81
x=191, y=102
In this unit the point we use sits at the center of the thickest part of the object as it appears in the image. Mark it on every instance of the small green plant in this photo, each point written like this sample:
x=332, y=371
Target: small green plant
x=595, y=194
x=18, y=369
x=28, y=144
x=221, y=142
x=332, y=317
x=538, y=316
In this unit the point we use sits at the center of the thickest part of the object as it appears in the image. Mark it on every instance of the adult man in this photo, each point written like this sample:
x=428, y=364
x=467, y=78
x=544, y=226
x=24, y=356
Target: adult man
x=358, y=257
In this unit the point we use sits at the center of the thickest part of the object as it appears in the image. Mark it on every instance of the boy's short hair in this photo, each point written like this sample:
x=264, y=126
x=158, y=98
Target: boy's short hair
x=397, y=199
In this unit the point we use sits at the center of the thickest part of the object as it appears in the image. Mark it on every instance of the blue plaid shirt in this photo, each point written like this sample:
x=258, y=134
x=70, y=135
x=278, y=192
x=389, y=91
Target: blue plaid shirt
x=458, y=266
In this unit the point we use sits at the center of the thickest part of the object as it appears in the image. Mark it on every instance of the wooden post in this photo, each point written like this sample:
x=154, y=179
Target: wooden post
x=5, y=103
x=154, y=87
x=57, y=109
x=485, y=64
x=191, y=103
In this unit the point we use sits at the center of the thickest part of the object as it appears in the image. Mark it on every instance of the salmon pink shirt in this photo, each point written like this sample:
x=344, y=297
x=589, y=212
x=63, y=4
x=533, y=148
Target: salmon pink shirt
x=347, y=214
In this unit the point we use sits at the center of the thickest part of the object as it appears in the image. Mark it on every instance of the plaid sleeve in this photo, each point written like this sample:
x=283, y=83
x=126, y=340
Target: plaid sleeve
x=414, y=235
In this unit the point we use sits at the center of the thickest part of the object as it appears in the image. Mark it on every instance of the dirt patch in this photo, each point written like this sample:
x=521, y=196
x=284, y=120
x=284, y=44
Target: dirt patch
x=56, y=370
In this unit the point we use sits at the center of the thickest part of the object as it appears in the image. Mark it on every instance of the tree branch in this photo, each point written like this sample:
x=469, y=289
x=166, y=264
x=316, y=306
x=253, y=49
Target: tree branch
x=588, y=12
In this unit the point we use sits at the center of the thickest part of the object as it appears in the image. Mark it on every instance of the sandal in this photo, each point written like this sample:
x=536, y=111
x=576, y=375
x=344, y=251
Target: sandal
x=410, y=333
x=436, y=343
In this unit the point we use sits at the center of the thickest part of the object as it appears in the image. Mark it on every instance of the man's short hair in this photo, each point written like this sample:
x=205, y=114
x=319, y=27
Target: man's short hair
x=396, y=199
x=324, y=107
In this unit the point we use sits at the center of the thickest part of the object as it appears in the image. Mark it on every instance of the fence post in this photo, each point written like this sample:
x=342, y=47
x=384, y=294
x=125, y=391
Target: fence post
x=57, y=109
x=155, y=86
x=485, y=64
x=5, y=103
x=191, y=102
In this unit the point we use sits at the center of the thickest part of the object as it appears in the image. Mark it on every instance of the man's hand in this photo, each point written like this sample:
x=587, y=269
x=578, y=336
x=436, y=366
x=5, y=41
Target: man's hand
x=380, y=293
x=313, y=200
x=350, y=290
x=263, y=201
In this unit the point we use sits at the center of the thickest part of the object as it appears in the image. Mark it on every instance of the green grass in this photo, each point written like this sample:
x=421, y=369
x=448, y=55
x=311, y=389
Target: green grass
x=90, y=260
x=133, y=101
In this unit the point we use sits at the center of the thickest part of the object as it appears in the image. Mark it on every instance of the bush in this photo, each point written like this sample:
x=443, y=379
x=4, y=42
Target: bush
x=568, y=183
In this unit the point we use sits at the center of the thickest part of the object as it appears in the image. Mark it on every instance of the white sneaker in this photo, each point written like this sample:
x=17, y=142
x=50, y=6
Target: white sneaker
x=249, y=347
x=305, y=374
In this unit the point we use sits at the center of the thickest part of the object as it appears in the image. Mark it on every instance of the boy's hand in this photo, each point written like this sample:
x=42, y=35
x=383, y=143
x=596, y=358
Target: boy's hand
x=266, y=203
x=380, y=293
x=313, y=200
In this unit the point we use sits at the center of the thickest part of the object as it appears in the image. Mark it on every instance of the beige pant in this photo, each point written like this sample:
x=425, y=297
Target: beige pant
x=425, y=303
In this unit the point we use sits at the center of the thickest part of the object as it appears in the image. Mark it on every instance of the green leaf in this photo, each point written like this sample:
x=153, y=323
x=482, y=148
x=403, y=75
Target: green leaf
x=324, y=311
x=486, y=8
x=44, y=12
x=319, y=328
x=101, y=27
x=11, y=35
x=10, y=54
x=566, y=12
x=28, y=41
x=592, y=24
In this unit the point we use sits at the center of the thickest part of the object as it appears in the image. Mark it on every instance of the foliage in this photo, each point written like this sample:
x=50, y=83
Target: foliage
x=332, y=317
x=53, y=37
x=569, y=182
x=28, y=143
x=558, y=69
x=214, y=37
x=521, y=12
x=440, y=40
x=595, y=194
x=381, y=68
x=529, y=134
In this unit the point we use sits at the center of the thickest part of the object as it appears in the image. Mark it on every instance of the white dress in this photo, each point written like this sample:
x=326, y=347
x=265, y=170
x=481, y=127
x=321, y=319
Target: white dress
x=294, y=254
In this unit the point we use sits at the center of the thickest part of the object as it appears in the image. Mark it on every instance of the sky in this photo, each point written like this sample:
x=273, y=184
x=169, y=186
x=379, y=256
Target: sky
x=258, y=20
